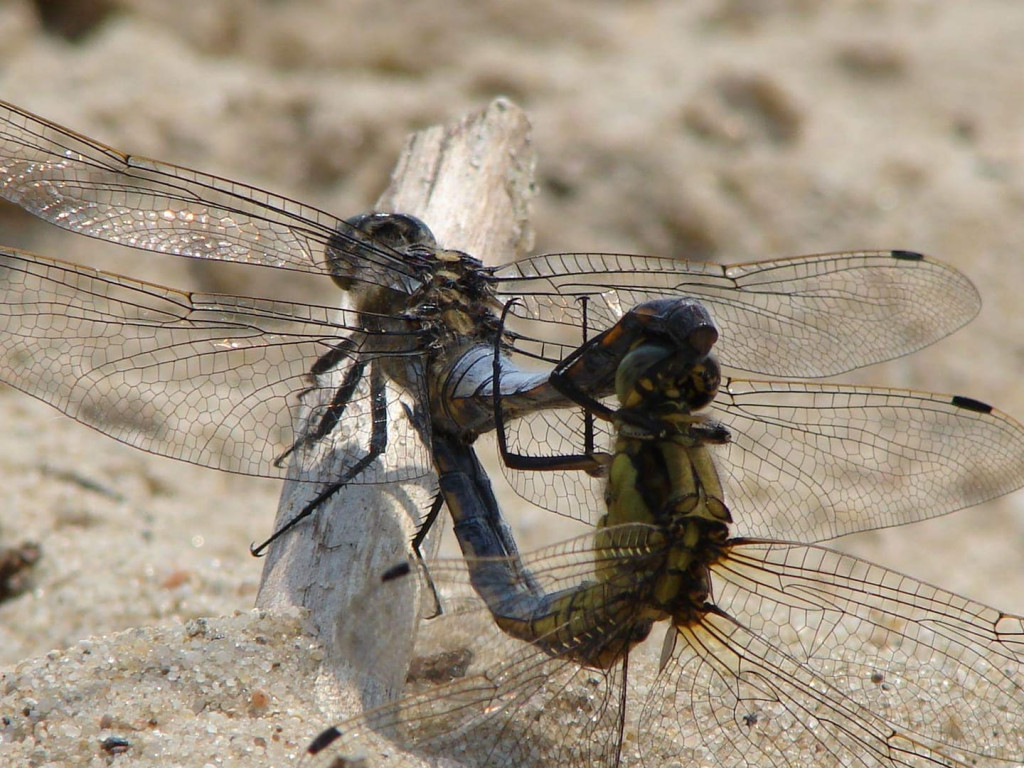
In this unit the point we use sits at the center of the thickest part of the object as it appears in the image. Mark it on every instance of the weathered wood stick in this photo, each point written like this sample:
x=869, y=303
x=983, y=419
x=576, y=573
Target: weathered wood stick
x=470, y=182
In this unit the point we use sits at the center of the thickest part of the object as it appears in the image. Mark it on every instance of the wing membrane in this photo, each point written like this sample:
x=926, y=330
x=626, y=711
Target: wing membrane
x=808, y=657
x=499, y=709
x=804, y=317
x=87, y=187
x=209, y=379
x=823, y=654
x=809, y=462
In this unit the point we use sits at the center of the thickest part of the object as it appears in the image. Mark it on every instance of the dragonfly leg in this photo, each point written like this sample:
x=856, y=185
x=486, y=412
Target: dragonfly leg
x=681, y=324
x=332, y=415
x=417, y=548
x=378, y=444
x=591, y=461
x=597, y=360
x=424, y=528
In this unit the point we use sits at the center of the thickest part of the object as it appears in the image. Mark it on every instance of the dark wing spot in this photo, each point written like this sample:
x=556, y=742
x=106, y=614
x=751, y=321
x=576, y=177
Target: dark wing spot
x=970, y=404
x=908, y=255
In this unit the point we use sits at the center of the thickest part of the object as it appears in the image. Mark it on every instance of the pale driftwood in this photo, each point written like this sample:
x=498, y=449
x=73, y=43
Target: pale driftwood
x=470, y=182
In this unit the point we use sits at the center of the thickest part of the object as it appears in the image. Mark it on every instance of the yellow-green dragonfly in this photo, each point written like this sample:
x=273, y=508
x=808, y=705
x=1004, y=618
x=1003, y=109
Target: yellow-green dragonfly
x=775, y=652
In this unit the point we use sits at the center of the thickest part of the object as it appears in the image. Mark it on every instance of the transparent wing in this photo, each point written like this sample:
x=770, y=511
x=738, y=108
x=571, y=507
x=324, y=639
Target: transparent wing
x=808, y=462
x=87, y=187
x=209, y=379
x=803, y=317
x=808, y=657
x=481, y=698
x=821, y=658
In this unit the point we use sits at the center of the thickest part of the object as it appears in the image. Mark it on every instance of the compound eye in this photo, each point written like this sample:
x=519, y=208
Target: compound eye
x=395, y=230
x=366, y=237
x=689, y=322
x=703, y=338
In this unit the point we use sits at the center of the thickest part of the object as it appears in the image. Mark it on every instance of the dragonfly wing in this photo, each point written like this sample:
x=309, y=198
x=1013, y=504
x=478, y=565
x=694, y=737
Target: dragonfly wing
x=808, y=462
x=84, y=186
x=478, y=697
x=807, y=656
x=209, y=379
x=555, y=433
x=802, y=317
x=823, y=658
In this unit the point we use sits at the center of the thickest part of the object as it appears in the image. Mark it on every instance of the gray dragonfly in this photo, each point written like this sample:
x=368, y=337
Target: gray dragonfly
x=218, y=380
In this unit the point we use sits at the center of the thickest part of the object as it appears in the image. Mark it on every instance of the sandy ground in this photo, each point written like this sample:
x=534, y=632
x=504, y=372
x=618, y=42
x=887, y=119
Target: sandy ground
x=727, y=131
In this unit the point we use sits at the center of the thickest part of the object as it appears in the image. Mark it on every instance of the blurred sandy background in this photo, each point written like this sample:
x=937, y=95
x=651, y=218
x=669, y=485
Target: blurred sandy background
x=730, y=131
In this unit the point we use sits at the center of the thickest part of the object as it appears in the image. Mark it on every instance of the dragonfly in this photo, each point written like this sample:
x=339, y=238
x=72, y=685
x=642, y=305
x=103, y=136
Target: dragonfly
x=220, y=380
x=776, y=652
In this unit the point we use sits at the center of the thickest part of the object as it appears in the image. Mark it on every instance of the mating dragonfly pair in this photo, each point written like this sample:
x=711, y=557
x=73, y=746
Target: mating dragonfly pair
x=779, y=651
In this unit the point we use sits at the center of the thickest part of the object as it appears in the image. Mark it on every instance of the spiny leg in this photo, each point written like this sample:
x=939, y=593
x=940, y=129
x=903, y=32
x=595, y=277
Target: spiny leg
x=422, y=427
x=378, y=444
x=417, y=548
x=342, y=396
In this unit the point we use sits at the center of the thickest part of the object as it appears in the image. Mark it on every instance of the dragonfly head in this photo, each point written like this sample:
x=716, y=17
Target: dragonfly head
x=374, y=240
x=658, y=377
x=682, y=323
x=689, y=325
